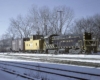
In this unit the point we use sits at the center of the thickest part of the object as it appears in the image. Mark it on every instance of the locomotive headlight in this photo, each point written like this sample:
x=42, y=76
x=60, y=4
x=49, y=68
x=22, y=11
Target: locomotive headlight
x=93, y=39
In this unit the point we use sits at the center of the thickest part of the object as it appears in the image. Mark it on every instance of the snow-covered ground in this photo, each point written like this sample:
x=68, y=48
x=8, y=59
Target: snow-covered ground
x=59, y=55
x=68, y=57
x=90, y=70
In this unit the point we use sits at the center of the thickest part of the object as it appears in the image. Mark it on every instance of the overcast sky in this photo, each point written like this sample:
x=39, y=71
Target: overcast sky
x=12, y=8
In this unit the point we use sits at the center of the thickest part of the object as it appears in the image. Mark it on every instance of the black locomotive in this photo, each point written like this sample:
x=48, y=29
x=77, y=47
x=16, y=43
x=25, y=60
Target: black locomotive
x=70, y=44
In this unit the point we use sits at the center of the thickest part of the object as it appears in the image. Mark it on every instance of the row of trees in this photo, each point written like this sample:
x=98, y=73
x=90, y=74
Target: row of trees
x=90, y=24
x=45, y=21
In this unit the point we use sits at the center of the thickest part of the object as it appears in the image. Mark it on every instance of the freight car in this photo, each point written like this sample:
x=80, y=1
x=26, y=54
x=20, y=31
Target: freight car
x=18, y=44
x=70, y=44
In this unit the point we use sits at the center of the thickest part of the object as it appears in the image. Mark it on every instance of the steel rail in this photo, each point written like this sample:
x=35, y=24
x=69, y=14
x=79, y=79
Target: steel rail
x=48, y=71
x=55, y=68
x=18, y=74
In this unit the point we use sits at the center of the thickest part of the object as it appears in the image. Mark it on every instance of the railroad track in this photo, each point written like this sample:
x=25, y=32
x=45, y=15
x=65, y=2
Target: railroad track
x=13, y=72
x=77, y=75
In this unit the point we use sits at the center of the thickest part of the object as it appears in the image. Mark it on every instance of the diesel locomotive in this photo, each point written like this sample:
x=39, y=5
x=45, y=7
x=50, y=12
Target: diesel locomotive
x=70, y=44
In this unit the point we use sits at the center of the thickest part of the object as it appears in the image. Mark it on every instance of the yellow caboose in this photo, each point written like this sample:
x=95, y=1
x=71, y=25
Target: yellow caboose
x=35, y=44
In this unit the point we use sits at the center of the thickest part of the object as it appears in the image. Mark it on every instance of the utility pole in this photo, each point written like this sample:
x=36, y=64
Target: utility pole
x=45, y=26
x=46, y=29
x=60, y=20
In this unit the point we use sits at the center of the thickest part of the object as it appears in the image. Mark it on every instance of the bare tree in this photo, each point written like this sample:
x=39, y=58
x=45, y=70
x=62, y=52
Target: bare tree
x=40, y=18
x=42, y=21
x=85, y=24
x=50, y=21
x=65, y=17
x=90, y=24
x=20, y=27
x=96, y=19
x=60, y=19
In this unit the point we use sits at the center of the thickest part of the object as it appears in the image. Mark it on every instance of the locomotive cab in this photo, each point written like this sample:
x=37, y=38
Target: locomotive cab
x=49, y=47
